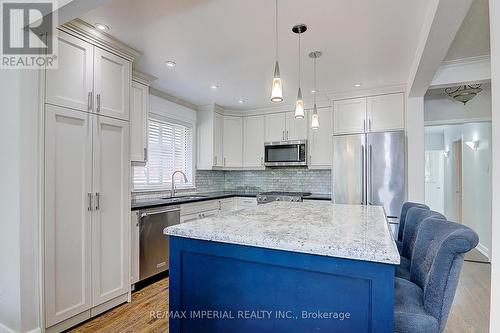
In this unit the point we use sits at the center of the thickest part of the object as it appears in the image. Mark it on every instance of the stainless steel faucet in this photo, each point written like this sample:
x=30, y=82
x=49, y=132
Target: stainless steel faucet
x=172, y=191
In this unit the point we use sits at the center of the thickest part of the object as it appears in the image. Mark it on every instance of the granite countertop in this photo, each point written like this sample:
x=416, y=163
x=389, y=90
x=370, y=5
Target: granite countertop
x=313, y=227
x=184, y=198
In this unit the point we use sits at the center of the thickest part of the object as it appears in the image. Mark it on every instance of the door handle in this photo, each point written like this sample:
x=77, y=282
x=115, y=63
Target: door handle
x=98, y=100
x=97, y=201
x=90, y=101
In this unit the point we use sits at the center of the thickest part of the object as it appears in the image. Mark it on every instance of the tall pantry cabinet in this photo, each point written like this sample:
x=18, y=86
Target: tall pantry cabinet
x=86, y=180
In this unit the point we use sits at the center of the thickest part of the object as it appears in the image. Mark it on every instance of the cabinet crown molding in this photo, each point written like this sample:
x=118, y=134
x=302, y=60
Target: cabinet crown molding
x=87, y=32
x=143, y=78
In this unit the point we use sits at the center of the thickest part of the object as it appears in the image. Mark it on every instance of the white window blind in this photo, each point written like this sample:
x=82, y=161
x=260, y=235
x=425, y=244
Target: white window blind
x=170, y=148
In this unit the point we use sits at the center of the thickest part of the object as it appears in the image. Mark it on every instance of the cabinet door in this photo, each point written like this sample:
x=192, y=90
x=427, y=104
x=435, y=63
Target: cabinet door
x=227, y=205
x=320, y=140
x=134, y=247
x=218, y=128
x=275, y=127
x=233, y=141
x=67, y=220
x=111, y=222
x=349, y=116
x=139, y=107
x=253, y=141
x=386, y=112
x=70, y=85
x=296, y=129
x=112, y=80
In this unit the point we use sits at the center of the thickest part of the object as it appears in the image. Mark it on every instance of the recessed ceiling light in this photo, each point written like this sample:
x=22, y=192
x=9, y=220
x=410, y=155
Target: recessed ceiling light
x=314, y=91
x=214, y=87
x=170, y=64
x=357, y=85
x=241, y=101
x=101, y=27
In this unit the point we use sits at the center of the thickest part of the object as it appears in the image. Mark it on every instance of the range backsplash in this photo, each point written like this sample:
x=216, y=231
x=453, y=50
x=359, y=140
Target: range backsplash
x=275, y=179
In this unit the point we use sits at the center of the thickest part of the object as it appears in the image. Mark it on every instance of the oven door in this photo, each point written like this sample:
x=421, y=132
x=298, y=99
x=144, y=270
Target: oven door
x=287, y=153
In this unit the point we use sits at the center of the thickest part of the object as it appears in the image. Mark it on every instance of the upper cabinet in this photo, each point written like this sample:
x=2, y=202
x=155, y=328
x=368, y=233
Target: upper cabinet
x=111, y=84
x=349, y=116
x=89, y=79
x=71, y=84
x=284, y=126
x=139, y=112
x=320, y=141
x=253, y=142
x=232, y=130
x=385, y=112
x=209, y=138
x=369, y=114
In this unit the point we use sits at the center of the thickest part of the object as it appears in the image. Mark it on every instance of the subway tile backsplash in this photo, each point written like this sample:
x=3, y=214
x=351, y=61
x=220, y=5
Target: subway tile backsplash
x=275, y=179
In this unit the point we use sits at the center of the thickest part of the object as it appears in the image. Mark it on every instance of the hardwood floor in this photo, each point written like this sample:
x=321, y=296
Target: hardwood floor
x=147, y=311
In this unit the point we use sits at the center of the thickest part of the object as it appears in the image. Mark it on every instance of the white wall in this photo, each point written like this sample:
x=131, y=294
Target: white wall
x=434, y=141
x=440, y=109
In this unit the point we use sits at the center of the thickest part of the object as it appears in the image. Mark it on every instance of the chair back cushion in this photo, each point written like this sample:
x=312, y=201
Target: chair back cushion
x=437, y=260
x=402, y=217
x=414, y=218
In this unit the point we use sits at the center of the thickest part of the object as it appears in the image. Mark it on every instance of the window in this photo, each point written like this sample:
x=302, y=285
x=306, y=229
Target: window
x=170, y=148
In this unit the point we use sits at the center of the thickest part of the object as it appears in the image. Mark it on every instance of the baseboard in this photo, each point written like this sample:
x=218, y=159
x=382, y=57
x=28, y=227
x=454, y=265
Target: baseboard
x=5, y=329
x=484, y=250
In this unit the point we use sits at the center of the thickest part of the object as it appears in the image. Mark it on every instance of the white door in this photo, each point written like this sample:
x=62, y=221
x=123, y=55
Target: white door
x=67, y=220
x=139, y=107
x=434, y=180
x=275, y=127
x=71, y=85
x=349, y=116
x=385, y=112
x=111, y=222
x=296, y=129
x=320, y=140
x=253, y=141
x=218, y=143
x=111, y=84
x=232, y=141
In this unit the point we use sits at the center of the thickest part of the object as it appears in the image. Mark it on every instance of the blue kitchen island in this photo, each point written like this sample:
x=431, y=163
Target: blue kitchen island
x=283, y=267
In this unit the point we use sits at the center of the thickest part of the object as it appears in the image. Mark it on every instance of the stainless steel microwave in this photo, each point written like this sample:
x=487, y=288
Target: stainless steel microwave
x=285, y=153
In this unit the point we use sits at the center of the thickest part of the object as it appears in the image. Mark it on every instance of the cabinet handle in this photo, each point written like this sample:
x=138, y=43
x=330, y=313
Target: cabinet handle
x=98, y=98
x=287, y=135
x=90, y=101
x=224, y=161
x=145, y=154
x=283, y=135
x=215, y=160
x=262, y=161
x=364, y=125
x=89, y=196
x=97, y=201
x=370, y=125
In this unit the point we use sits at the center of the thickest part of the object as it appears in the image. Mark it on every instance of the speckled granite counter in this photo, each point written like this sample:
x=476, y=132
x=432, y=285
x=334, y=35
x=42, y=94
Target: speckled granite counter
x=313, y=227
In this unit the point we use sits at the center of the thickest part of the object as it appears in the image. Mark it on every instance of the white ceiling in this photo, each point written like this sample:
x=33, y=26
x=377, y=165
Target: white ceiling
x=473, y=37
x=231, y=43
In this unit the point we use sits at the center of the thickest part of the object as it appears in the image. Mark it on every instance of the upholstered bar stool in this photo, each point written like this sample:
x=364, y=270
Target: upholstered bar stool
x=402, y=220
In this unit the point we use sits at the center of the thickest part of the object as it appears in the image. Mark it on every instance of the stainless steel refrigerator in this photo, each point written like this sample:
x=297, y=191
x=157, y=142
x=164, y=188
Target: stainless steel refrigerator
x=369, y=169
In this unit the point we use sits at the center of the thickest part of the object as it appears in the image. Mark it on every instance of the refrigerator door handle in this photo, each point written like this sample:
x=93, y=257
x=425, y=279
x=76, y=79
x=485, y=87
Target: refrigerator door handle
x=363, y=202
x=371, y=182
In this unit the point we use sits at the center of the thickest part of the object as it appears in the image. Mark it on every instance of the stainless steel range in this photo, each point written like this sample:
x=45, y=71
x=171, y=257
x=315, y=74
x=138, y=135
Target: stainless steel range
x=266, y=197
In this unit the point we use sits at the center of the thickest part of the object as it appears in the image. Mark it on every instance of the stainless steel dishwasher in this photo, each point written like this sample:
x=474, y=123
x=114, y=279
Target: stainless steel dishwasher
x=153, y=244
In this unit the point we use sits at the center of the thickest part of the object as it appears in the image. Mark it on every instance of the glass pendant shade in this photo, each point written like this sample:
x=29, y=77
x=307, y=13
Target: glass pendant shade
x=277, y=88
x=299, y=106
x=315, y=118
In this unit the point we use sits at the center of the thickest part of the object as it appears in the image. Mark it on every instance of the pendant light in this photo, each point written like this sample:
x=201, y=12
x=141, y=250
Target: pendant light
x=314, y=118
x=277, y=87
x=299, y=103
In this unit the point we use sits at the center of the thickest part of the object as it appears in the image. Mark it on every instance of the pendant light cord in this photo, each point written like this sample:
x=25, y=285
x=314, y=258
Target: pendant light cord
x=300, y=33
x=315, y=90
x=276, y=30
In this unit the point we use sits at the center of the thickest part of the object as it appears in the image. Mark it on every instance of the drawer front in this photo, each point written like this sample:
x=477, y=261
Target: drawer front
x=198, y=207
x=247, y=202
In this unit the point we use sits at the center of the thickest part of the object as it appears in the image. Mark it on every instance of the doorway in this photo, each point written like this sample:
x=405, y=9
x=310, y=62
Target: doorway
x=453, y=183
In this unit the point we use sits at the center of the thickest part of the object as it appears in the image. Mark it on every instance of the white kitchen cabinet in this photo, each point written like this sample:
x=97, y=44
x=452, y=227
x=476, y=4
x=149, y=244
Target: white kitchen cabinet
x=112, y=79
x=275, y=125
x=134, y=247
x=253, y=141
x=218, y=140
x=296, y=129
x=320, y=141
x=227, y=205
x=209, y=138
x=68, y=187
x=71, y=84
x=110, y=225
x=232, y=133
x=139, y=108
x=385, y=112
x=349, y=116
x=246, y=202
